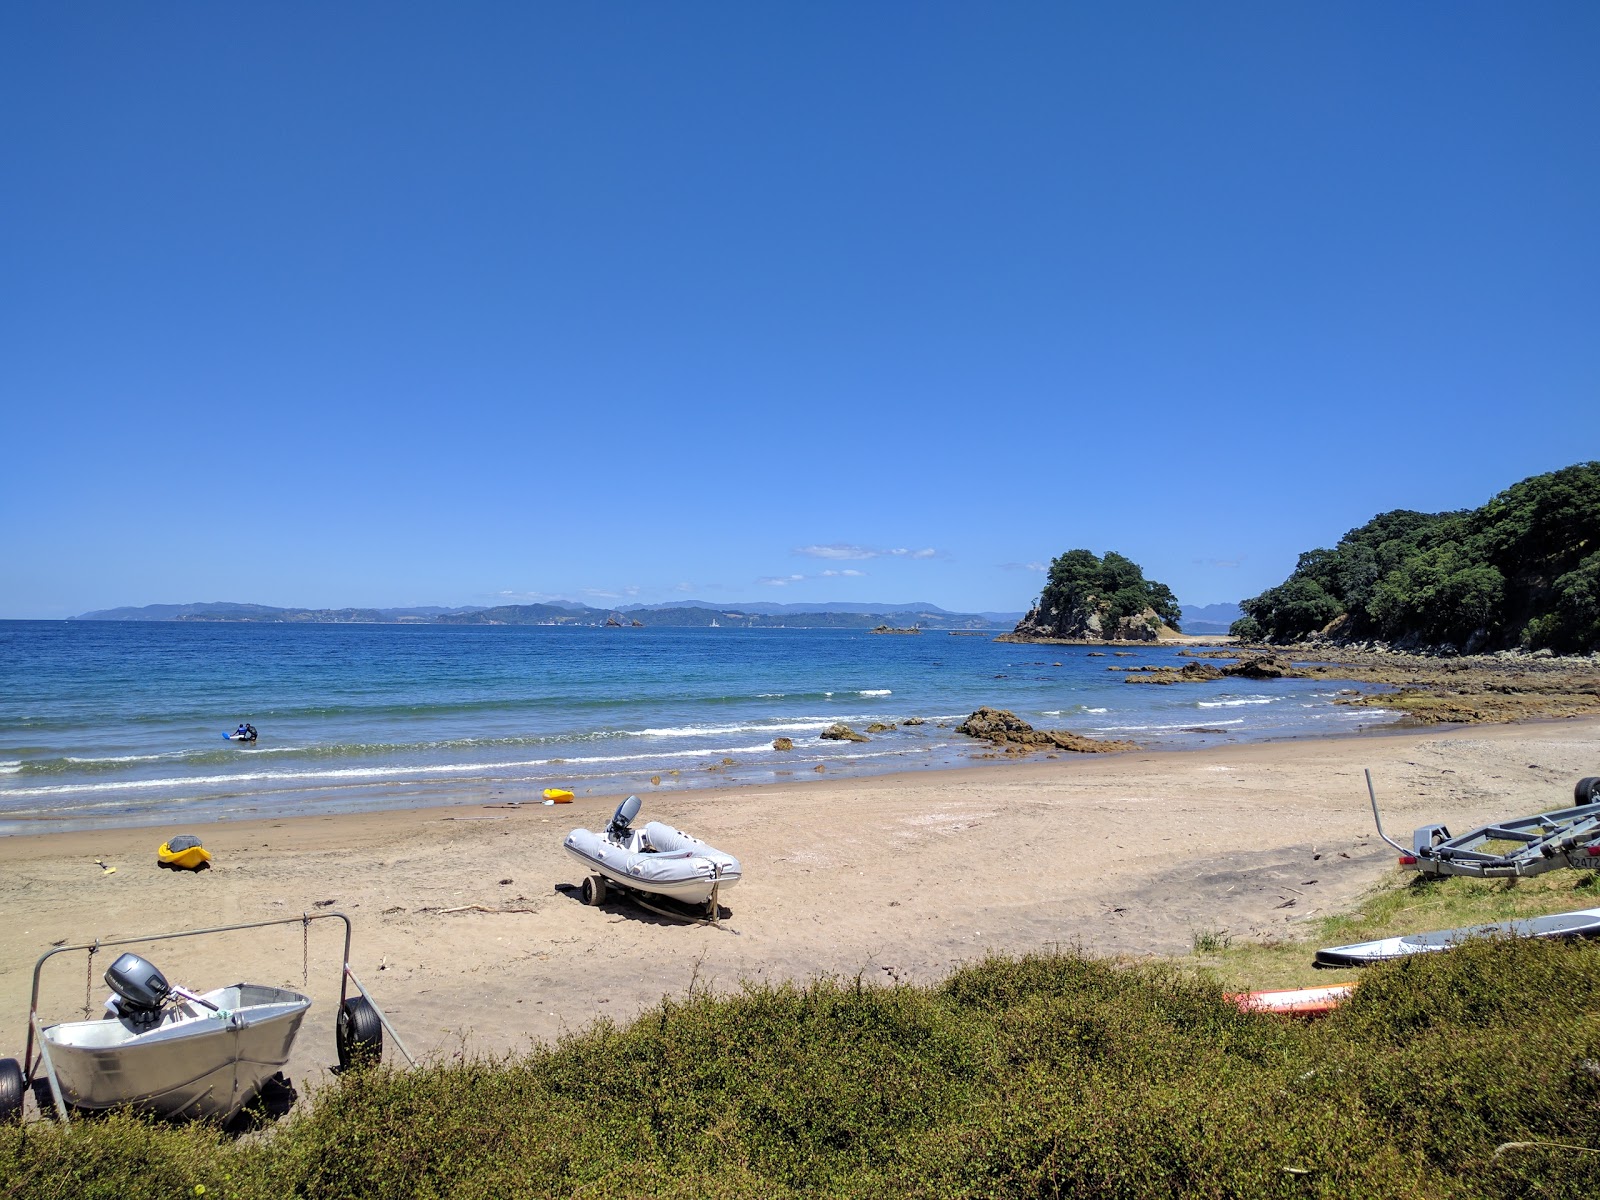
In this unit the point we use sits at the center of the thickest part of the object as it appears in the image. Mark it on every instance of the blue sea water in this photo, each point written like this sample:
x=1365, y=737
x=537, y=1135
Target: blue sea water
x=124, y=723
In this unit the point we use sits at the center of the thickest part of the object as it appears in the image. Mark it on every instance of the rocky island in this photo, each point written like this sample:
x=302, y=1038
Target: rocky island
x=1092, y=599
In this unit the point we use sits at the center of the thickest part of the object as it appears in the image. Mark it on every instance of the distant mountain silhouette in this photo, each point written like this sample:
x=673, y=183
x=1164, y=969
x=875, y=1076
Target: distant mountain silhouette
x=1210, y=618
x=686, y=614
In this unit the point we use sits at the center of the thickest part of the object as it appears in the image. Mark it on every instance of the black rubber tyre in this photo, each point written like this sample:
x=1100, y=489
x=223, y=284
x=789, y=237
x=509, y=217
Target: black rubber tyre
x=1588, y=790
x=594, y=890
x=13, y=1087
x=359, y=1034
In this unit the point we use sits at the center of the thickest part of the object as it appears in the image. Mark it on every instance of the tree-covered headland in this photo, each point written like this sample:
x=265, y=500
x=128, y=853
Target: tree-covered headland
x=1086, y=596
x=1522, y=571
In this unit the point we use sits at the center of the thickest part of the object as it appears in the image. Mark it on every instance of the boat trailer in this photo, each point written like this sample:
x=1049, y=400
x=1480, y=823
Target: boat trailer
x=1548, y=841
x=354, y=1032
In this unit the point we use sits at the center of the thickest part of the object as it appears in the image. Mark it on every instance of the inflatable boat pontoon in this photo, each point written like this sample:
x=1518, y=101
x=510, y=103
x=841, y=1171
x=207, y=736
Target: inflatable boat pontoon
x=656, y=862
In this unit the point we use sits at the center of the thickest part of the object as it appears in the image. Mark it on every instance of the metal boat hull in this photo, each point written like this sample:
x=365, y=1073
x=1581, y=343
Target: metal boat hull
x=192, y=1064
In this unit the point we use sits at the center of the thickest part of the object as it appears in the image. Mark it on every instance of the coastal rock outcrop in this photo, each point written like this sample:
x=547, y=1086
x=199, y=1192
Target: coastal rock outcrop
x=1259, y=666
x=1188, y=673
x=840, y=732
x=1084, y=622
x=1263, y=666
x=1011, y=733
x=1089, y=598
x=782, y=743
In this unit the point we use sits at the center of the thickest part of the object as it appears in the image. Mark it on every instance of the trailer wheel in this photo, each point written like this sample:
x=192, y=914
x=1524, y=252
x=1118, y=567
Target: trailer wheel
x=594, y=890
x=13, y=1087
x=359, y=1034
x=1588, y=790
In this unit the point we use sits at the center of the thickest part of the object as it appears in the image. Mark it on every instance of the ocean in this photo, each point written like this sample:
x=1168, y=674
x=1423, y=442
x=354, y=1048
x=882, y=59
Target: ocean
x=125, y=723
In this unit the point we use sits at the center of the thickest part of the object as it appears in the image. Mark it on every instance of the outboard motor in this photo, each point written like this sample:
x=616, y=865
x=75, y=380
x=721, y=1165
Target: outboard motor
x=622, y=819
x=140, y=989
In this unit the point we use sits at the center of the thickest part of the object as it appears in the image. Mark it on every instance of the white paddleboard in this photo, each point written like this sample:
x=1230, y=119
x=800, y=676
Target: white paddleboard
x=1584, y=923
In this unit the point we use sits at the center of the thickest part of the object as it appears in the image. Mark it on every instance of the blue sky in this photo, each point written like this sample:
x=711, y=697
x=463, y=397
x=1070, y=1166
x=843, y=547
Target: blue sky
x=388, y=303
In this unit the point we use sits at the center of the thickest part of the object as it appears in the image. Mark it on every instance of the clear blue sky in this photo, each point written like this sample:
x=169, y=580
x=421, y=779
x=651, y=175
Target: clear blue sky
x=400, y=303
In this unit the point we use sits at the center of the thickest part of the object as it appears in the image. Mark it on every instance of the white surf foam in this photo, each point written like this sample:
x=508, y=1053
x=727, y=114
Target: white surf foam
x=124, y=758
x=1148, y=728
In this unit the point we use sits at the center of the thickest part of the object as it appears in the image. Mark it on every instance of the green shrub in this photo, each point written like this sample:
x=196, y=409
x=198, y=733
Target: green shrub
x=1051, y=1075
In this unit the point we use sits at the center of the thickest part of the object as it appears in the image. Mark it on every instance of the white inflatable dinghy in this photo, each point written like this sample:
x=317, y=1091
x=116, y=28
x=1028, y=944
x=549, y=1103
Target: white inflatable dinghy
x=657, y=860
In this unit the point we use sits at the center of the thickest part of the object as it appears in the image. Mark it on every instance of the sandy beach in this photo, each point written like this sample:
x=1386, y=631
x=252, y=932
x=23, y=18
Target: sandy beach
x=892, y=878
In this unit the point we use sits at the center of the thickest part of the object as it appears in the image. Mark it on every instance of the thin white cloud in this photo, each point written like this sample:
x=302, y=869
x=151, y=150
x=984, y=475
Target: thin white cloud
x=1027, y=566
x=1227, y=564
x=844, y=551
x=836, y=552
x=830, y=573
x=511, y=596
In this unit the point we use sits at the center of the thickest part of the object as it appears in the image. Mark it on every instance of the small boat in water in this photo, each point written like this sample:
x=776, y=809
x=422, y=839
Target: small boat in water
x=655, y=861
x=171, y=1052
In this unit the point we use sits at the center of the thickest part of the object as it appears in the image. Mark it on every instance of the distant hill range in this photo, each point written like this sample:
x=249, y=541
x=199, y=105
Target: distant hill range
x=686, y=614
x=1210, y=618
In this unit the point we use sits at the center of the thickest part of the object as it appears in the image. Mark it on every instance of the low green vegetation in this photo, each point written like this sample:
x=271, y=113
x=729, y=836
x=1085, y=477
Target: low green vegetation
x=1406, y=903
x=1523, y=570
x=1452, y=1075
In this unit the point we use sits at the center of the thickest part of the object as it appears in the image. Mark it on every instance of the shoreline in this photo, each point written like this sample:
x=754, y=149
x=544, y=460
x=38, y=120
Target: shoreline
x=975, y=754
x=892, y=877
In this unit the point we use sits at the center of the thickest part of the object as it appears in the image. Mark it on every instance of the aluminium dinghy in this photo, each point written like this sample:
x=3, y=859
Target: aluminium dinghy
x=1584, y=923
x=655, y=862
x=174, y=1053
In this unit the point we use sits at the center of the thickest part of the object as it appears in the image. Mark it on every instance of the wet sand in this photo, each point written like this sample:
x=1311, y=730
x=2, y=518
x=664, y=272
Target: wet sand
x=890, y=878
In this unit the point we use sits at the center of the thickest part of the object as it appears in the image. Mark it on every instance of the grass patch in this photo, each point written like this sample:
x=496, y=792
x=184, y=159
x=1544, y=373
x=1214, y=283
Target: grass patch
x=1052, y=1075
x=1404, y=903
x=1212, y=941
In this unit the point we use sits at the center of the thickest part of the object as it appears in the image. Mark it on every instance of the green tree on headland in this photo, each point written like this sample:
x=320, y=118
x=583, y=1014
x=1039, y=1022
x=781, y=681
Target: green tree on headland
x=1116, y=583
x=1082, y=585
x=1522, y=570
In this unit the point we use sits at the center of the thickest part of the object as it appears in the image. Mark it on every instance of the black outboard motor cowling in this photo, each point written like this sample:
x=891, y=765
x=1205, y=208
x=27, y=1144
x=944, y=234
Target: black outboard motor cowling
x=140, y=988
x=622, y=819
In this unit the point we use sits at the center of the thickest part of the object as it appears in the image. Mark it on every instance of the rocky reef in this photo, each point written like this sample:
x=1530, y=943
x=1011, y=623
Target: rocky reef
x=840, y=732
x=1259, y=666
x=1008, y=732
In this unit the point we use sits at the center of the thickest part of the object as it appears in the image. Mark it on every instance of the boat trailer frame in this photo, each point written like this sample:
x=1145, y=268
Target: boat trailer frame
x=1547, y=841
x=36, y=1026
x=710, y=911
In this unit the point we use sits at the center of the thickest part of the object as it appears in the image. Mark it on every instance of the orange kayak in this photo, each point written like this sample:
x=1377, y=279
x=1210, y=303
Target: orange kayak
x=1295, y=1002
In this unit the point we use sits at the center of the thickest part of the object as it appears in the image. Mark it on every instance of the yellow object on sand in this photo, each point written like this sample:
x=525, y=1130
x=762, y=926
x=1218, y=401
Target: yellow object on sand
x=190, y=858
x=558, y=795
